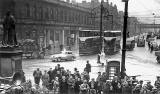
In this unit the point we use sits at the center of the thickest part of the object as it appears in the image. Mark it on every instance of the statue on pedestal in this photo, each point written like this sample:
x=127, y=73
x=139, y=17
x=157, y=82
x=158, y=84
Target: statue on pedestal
x=9, y=34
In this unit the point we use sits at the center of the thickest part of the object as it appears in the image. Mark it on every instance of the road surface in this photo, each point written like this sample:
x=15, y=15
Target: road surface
x=138, y=62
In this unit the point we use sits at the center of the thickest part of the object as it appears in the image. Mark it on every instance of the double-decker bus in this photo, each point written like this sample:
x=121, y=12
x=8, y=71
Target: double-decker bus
x=89, y=45
x=90, y=42
x=112, y=42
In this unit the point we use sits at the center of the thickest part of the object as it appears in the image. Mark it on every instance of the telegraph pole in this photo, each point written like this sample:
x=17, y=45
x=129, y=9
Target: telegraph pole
x=123, y=69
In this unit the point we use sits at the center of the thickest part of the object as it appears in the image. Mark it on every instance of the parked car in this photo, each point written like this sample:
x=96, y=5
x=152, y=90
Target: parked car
x=130, y=44
x=141, y=42
x=64, y=55
x=155, y=46
x=157, y=53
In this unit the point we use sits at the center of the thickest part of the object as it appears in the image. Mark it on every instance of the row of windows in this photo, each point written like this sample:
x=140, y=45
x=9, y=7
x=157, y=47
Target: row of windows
x=58, y=14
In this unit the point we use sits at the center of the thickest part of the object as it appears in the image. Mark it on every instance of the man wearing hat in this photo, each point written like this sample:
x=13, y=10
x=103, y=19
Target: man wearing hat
x=93, y=86
x=149, y=86
x=157, y=82
x=138, y=87
x=84, y=88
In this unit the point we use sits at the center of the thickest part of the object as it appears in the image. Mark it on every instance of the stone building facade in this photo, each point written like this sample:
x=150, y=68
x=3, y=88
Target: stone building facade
x=56, y=23
x=111, y=16
x=49, y=22
x=133, y=28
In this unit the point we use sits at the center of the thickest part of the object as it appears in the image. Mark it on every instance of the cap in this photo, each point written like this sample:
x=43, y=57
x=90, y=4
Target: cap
x=158, y=76
x=141, y=81
x=149, y=82
x=107, y=80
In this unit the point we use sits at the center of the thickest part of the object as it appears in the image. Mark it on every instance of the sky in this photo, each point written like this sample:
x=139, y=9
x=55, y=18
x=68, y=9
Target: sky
x=143, y=9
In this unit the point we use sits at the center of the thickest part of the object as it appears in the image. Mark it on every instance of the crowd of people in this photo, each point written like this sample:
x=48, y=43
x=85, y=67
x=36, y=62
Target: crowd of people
x=61, y=81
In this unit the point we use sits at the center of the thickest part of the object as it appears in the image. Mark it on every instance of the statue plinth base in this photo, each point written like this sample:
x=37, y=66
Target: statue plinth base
x=10, y=61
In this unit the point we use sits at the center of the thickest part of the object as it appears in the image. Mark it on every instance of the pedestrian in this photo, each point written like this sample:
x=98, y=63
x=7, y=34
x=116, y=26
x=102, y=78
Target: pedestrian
x=106, y=87
x=58, y=74
x=115, y=84
x=77, y=85
x=151, y=48
x=138, y=87
x=37, y=74
x=144, y=90
x=71, y=84
x=149, y=45
x=99, y=86
x=77, y=74
x=88, y=67
x=85, y=75
x=84, y=88
x=157, y=82
x=63, y=86
x=58, y=67
x=63, y=72
x=104, y=77
x=99, y=83
x=98, y=58
x=149, y=86
x=99, y=76
x=50, y=73
x=56, y=85
x=35, y=89
x=54, y=72
x=45, y=79
x=68, y=73
x=93, y=86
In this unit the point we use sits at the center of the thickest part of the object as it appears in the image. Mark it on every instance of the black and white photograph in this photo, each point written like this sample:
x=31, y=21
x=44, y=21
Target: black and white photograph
x=79, y=46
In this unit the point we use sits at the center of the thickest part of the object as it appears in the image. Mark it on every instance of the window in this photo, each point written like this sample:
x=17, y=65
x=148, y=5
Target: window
x=65, y=15
x=51, y=14
x=40, y=13
x=27, y=10
x=61, y=15
x=47, y=13
x=34, y=12
x=31, y=11
x=56, y=36
x=56, y=14
x=112, y=71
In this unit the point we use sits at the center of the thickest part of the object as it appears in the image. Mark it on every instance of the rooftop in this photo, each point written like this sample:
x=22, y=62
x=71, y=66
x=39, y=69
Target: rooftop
x=71, y=5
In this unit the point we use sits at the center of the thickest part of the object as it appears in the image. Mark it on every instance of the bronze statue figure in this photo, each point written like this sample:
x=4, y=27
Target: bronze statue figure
x=9, y=34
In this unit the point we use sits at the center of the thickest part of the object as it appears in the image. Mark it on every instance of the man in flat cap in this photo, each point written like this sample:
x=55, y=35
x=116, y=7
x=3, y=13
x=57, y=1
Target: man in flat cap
x=157, y=82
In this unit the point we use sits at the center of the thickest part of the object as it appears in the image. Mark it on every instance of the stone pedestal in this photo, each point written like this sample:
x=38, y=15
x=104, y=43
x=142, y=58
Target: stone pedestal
x=10, y=61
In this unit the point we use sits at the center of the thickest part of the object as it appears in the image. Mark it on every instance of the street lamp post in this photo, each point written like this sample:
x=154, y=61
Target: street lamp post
x=154, y=21
x=101, y=18
x=123, y=69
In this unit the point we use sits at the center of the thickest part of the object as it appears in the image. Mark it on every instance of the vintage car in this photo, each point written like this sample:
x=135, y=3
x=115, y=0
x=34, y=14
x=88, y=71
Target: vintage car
x=31, y=49
x=130, y=44
x=64, y=55
x=158, y=36
x=141, y=42
x=151, y=39
x=157, y=53
x=155, y=46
